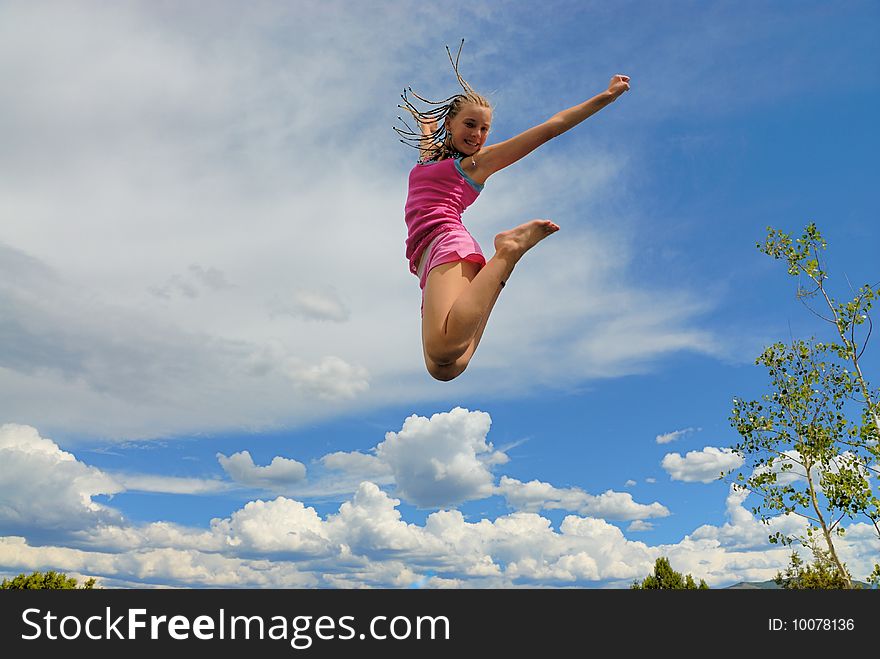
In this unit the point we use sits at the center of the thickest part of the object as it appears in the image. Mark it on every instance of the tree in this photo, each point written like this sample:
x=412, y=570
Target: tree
x=822, y=574
x=802, y=453
x=45, y=581
x=665, y=578
x=804, y=258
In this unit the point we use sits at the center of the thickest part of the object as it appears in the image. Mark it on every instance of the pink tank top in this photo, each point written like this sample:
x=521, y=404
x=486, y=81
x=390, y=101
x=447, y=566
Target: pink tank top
x=439, y=192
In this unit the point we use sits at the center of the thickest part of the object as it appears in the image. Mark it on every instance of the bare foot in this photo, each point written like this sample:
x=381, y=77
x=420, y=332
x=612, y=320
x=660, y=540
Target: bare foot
x=517, y=241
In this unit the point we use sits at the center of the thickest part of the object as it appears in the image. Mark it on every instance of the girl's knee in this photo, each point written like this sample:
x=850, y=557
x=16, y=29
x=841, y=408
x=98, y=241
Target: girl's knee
x=444, y=354
x=446, y=372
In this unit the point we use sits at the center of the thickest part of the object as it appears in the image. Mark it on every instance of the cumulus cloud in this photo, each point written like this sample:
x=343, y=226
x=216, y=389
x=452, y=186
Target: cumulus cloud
x=285, y=543
x=331, y=379
x=665, y=438
x=279, y=474
x=45, y=490
x=159, y=567
x=743, y=531
x=444, y=460
x=536, y=496
x=701, y=466
x=371, y=525
x=282, y=525
x=789, y=468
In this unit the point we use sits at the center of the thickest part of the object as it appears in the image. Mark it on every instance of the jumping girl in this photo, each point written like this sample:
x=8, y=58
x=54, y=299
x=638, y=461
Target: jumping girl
x=459, y=287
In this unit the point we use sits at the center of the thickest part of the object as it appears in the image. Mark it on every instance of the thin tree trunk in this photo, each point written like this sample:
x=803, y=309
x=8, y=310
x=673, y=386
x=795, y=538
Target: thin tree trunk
x=825, y=532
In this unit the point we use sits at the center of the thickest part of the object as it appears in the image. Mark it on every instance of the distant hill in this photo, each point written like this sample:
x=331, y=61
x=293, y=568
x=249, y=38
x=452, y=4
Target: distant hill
x=756, y=585
x=771, y=585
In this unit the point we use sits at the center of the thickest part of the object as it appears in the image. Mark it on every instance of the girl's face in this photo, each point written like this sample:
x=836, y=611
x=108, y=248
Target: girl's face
x=470, y=128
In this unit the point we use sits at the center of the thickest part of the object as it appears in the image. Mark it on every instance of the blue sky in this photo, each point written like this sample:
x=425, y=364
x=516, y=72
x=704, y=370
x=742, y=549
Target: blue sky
x=211, y=372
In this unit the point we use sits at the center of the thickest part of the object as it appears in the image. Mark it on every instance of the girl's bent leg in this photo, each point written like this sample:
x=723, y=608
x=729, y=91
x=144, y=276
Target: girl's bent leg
x=448, y=372
x=459, y=298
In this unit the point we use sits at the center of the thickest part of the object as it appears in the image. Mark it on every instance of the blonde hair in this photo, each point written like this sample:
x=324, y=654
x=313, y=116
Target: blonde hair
x=438, y=144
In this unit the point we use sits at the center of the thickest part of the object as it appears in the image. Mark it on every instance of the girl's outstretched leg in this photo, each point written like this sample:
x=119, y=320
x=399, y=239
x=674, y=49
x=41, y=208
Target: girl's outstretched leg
x=458, y=299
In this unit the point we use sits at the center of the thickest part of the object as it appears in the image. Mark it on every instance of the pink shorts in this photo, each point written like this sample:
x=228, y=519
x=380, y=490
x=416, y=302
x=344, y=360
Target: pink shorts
x=455, y=245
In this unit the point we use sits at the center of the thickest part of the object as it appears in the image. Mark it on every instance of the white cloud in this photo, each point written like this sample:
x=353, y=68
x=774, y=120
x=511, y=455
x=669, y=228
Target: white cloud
x=639, y=525
x=150, y=566
x=794, y=471
x=630, y=483
x=168, y=484
x=356, y=464
x=282, y=525
x=442, y=461
x=157, y=378
x=536, y=496
x=279, y=474
x=212, y=137
x=701, y=466
x=338, y=475
x=370, y=525
x=284, y=543
x=46, y=490
x=665, y=438
x=331, y=379
x=743, y=532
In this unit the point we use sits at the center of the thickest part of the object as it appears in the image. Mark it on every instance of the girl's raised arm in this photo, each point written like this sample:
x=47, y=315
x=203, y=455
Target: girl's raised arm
x=498, y=156
x=427, y=145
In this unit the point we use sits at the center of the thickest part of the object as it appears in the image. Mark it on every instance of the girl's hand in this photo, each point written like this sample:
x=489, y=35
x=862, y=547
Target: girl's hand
x=618, y=85
x=427, y=127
